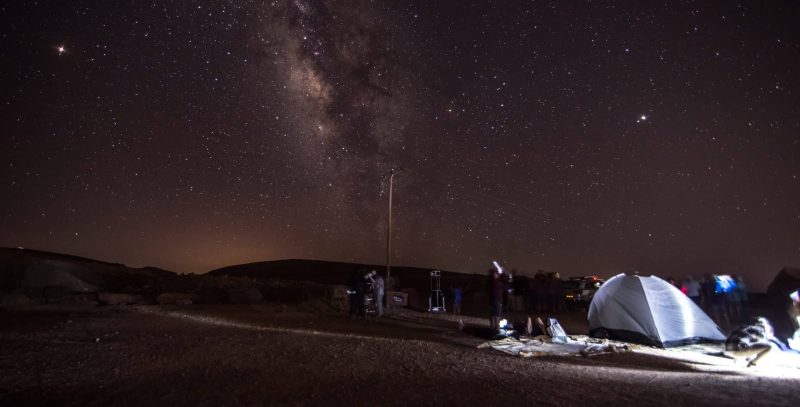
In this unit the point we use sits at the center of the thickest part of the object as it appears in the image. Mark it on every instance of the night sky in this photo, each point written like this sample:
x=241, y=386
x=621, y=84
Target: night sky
x=580, y=137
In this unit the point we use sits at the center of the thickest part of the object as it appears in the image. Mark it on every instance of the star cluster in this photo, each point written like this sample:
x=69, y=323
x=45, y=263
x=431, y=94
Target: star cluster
x=584, y=138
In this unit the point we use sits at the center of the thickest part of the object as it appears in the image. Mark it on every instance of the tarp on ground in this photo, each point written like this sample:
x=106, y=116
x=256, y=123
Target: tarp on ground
x=544, y=345
x=708, y=354
x=649, y=311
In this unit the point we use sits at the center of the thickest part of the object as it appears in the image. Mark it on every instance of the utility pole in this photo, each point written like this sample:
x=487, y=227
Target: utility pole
x=389, y=234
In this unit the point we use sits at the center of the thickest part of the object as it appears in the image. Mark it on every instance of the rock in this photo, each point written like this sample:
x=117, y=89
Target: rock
x=176, y=299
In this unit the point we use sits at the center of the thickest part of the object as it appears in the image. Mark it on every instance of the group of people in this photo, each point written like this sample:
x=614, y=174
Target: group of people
x=547, y=292
x=725, y=300
x=543, y=293
x=366, y=291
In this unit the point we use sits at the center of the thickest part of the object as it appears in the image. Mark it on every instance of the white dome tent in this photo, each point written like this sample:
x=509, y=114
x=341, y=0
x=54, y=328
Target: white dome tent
x=650, y=311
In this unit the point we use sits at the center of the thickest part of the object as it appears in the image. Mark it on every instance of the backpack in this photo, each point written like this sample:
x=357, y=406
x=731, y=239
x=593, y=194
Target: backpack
x=555, y=330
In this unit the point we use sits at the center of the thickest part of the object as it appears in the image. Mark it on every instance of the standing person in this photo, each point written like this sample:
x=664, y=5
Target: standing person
x=556, y=292
x=736, y=298
x=353, y=293
x=716, y=301
x=519, y=291
x=692, y=289
x=707, y=287
x=457, y=300
x=361, y=296
x=744, y=297
x=540, y=290
x=379, y=287
x=548, y=292
x=496, y=290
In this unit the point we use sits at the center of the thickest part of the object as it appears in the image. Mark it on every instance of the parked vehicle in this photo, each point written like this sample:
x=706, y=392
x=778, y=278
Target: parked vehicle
x=579, y=291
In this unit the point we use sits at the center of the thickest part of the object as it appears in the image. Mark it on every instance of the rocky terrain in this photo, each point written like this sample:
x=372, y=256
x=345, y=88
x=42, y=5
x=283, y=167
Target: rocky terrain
x=112, y=335
x=262, y=355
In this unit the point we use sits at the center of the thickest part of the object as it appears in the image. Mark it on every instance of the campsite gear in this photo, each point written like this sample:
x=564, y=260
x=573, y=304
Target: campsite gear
x=436, y=298
x=650, y=311
x=397, y=298
x=751, y=342
x=555, y=331
x=506, y=329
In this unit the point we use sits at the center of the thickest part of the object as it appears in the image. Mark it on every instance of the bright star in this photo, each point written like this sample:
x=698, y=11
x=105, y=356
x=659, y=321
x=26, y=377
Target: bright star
x=61, y=49
x=643, y=118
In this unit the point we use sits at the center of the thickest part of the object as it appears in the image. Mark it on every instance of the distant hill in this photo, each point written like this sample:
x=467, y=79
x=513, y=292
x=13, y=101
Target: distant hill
x=32, y=271
x=330, y=272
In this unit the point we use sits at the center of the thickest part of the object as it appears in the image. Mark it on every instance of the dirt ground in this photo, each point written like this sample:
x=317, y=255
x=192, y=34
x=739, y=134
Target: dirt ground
x=265, y=355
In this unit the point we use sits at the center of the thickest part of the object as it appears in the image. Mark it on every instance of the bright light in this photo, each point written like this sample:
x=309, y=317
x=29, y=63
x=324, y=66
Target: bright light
x=61, y=49
x=497, y=266
x=503, y=323
x=643, y=118
x=724, y=283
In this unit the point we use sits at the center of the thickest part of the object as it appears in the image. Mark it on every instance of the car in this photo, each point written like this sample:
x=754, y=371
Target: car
x=579, y=291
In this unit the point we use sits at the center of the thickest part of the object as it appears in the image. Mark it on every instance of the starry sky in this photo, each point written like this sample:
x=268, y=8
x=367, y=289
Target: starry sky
x=583, y=137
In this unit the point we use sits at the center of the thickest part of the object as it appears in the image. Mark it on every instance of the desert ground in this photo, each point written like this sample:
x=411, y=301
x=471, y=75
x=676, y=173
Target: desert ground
x=277, y=355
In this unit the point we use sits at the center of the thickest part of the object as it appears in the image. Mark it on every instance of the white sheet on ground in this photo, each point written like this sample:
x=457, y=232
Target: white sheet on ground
x=544, y=345
x=579, y=345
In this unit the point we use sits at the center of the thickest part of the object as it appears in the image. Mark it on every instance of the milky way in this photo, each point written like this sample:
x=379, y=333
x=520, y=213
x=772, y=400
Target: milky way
x=589, y=138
